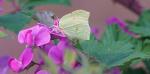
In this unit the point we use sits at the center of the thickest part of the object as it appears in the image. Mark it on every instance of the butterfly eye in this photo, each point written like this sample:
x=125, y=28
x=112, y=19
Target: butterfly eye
x=53, y=17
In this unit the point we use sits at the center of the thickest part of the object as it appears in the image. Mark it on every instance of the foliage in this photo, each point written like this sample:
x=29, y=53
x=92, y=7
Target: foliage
x=114, y=48
x=33, y=3
x=142, y=26
x=14, y=22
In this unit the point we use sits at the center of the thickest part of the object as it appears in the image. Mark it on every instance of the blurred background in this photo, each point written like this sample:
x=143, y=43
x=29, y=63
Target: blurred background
x=100, y=10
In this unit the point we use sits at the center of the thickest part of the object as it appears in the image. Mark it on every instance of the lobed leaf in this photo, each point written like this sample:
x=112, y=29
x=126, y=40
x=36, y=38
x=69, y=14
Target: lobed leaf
x=14, y=22
x=112, y=50
x=142, y=26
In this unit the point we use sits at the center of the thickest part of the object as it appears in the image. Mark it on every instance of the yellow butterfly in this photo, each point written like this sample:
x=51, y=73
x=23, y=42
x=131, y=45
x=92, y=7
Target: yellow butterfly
x=76, y=25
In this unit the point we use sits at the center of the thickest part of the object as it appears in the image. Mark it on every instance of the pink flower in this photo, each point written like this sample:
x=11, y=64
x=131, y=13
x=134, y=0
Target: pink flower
x=115, y=70
x=47, y=47
x=123, y=25
x=115, y=20
x=43, y=72
x=96, y=31
x=56, y=31
x=23, y=61
x=56, y=53
x=4, y=64
x=56, y=22
x=37, y=35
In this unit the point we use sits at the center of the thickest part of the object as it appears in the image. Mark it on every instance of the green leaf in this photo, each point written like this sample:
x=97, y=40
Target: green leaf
x=147, y=41
x=147, y=64
x=14, y=22
x=2, y=34
x=143, y=46
x=142, y=27
x=146, y=48
x=144, y=18
x=144, y=31
x=33, y=3
x=111, y=50
x=115, y=54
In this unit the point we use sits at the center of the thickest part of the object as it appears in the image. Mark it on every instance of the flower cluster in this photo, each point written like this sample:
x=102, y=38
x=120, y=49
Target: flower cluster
x=41, y=36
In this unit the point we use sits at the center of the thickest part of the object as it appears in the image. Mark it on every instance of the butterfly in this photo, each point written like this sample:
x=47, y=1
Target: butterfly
x=74, y=25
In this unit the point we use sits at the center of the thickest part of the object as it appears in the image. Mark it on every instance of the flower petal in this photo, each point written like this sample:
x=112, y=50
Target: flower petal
x=63, y=43
x=57, y=32
x=96, y=31
x=43, y=37
x=42, y=72
x=47, y=47
x=35, y=29
x=4, y=70
x=4, y=61
x=115, y=70
x=26, y=35
x=26, y=57
x=4, y=64
x=115, y=20
x=56, y=22
x=21, y=36
x=56, y=55
x=29, y=38
x=123, y=25
x=15, y=65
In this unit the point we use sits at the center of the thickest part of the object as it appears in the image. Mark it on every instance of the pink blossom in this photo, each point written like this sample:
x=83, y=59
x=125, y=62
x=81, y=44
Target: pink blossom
x=24, y=60
x=57, y=51
x=115, y=70
x=4, y=64
x=115, y=20
x=96, y=31
x=43, y=72
x=123, y=25
x=37, y=35
x=56, y=54
x=56, y=31
x=47, y=47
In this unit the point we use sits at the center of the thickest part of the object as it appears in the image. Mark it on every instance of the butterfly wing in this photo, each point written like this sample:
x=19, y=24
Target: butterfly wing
x=75, y=25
